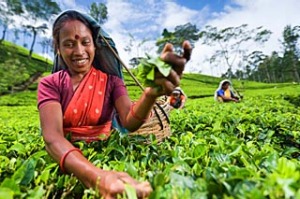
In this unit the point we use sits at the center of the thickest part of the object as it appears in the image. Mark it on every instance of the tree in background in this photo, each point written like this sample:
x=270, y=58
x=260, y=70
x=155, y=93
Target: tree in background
x=41, y=9
x=272, y=69
x=35, y=30
x=253, y=67
x=231, y=41
x=25, y=35
x=182, y=32
x=8, y=8
x=34, y=12
x=46, y=44
x=291, y=51
x=276, y=68
x=277, y=71
x=16, y=32
x=99, y=12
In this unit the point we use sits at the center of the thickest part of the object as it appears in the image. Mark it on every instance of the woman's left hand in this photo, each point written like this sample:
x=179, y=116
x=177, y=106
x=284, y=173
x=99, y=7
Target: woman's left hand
x=167, y=84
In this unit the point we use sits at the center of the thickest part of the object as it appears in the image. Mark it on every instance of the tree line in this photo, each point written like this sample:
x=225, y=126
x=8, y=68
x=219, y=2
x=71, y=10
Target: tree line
x=36, y=11
x=28, y=18
x=232, y=44
x=25, y=11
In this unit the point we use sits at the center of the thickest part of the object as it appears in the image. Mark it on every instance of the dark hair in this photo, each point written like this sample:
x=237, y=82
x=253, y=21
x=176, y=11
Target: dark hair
x=60, y=22
x=226, y=82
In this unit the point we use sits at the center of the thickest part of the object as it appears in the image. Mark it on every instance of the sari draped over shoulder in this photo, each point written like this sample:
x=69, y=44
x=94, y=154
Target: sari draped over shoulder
x=82, y=115
x=104, y=60
x=227, y=92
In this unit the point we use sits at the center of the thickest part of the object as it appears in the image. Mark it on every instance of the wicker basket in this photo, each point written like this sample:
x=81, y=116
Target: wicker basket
x=158, y=124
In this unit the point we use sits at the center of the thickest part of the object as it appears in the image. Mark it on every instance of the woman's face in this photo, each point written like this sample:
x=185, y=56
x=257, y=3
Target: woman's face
x=175, y=94
x=225, y=86
x=76, y=47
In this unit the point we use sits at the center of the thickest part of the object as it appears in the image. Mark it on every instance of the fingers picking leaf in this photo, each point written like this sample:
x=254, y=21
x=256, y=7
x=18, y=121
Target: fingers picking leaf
x=146, y=70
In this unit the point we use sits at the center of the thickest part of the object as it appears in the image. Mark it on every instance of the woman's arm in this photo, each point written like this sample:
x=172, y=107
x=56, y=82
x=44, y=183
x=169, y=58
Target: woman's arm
x=51, y=118
x=227, y=99
x=132, y=115
x=109, y=183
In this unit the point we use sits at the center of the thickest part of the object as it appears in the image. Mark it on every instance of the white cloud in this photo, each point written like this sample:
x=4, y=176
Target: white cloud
x=68, y=4
x=147, y=19
x=174, y=15
x=118, y=13
x=267, y=13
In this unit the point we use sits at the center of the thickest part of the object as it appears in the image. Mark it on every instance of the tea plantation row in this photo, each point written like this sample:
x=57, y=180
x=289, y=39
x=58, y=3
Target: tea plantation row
x=238, y=150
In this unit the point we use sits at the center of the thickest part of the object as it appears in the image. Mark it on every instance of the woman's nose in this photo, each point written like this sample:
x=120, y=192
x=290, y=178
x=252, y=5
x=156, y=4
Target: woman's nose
x=79, y=49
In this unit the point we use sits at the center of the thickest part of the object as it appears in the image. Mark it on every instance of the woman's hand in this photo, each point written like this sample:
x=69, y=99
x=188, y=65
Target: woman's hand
x=168, y=84
x=165, y=86
x=235, y=100
x=112, y=183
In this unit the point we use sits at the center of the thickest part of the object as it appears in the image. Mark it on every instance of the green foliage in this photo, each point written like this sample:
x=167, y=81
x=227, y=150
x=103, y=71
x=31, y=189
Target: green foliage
x=16, y=68
x=99, y=12
x=217, y=150
x=29, y=10
x=18, y=50
x=293, y=99
x=147, y=68
x=181, y=33
x=291, y=56
x=33, y=8
x=12, y=72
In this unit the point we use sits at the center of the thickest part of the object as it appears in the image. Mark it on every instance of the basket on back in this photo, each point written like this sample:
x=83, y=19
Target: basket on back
x=158, y=124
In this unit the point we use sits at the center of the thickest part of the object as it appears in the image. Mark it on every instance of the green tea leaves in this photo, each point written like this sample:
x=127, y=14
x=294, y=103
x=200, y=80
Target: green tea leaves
x=146, y=70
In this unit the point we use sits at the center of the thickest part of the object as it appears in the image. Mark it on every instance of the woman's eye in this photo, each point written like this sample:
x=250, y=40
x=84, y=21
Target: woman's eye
x=69, y=45
x=86, y=43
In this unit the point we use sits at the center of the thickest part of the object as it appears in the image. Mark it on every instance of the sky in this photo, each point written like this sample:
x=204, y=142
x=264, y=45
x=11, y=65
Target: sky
x=145, y=20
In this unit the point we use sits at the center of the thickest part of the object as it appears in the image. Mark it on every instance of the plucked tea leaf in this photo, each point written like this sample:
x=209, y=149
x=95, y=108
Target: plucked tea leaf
x=146, y=70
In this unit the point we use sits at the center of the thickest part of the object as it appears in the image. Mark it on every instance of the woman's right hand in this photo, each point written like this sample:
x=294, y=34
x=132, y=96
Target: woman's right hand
x=112, y=183
x=166, y=85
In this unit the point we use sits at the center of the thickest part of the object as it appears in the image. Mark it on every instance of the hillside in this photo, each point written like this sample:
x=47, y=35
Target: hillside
x=26, y=71
x=17, y=71
x=200, y=86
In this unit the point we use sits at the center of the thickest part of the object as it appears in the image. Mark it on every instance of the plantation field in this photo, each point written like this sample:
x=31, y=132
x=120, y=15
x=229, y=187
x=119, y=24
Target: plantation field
x=17, y=71
x=244, y=150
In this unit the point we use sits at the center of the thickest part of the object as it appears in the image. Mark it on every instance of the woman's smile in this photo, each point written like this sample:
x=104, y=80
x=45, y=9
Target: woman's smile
x=77, y=47
x=80, y=62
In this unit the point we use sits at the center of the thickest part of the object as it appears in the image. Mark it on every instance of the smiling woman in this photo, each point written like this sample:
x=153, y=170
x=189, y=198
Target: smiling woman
x=76, y=47
x=74, y=42
x=78, y=100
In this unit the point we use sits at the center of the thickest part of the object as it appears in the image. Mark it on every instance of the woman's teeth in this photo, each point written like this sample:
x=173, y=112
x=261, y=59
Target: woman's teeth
x=80, y=61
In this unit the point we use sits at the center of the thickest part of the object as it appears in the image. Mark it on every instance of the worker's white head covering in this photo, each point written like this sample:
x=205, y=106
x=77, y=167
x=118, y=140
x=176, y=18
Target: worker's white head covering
x=220, y=87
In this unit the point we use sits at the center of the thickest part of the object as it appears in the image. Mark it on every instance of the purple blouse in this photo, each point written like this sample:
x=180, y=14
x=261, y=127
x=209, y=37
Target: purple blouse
x=58, y=87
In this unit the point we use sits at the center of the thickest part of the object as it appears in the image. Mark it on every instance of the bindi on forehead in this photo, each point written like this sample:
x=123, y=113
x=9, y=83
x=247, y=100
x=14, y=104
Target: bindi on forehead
x=77, y=37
